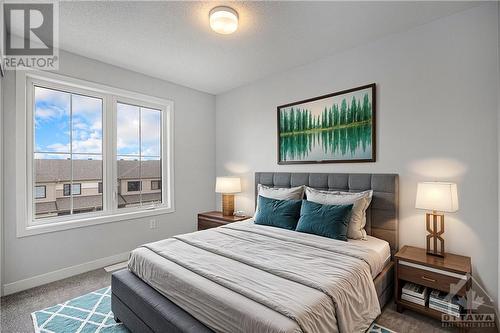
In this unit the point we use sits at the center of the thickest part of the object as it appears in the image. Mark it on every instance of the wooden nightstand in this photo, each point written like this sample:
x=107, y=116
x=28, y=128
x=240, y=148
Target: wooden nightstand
x=216, y=219
x=413, y=264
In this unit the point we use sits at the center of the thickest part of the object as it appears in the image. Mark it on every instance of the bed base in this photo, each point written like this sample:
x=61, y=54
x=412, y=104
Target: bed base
x=144, y=310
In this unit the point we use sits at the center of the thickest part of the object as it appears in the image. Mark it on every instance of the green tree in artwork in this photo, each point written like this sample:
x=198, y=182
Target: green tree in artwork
x=360, y=112
x=298, y=119
x=354, y=115
x=367, y=110
x=304, y=119
x=283, y=115
x=343, y=112
x=336, y=118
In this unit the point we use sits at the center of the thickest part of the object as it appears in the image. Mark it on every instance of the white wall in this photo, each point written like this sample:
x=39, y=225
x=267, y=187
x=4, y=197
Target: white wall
x=436, y=120
x=194, y=178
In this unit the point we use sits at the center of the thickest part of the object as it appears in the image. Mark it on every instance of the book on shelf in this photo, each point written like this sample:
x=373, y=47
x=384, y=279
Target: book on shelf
x=444, y=309
x=415, y=290
x=445, y=299
x=445, y=304
x=413, y=299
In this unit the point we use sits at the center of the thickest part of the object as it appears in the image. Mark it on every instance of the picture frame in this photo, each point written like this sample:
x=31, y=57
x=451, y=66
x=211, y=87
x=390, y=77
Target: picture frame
x=335, y=128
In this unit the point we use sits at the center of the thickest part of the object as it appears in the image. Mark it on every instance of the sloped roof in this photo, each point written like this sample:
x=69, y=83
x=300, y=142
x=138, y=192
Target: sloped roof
x=45, y=207
x=51, y=170
x=84, y=202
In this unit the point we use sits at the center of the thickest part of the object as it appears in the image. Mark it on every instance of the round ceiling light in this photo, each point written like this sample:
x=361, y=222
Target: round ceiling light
x=223, y=20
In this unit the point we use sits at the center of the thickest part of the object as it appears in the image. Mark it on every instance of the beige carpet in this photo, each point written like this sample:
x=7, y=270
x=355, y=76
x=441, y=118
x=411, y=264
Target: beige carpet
x=16, y=309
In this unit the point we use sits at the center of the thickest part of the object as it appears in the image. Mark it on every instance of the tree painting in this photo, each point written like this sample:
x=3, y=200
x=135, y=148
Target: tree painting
x=337, y=127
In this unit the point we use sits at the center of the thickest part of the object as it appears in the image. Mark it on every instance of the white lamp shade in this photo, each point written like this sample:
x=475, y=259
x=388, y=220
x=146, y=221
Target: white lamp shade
x=228, y=185
x=438, y=196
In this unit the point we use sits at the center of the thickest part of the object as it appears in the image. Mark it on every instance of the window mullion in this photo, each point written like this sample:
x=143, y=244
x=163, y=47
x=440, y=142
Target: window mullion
x=71, y=153
x=140, y=156
x=109, y=158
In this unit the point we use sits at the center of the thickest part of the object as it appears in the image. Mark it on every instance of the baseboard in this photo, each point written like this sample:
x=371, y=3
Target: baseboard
x=35, y=281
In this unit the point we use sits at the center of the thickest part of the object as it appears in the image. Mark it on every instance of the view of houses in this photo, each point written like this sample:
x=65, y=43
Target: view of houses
x=139, y=183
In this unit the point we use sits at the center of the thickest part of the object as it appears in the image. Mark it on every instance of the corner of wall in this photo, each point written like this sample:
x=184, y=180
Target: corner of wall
x=1, y=186
x=498, y=156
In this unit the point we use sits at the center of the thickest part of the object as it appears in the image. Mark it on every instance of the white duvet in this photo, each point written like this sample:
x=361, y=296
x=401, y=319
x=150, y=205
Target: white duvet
x=250, y=278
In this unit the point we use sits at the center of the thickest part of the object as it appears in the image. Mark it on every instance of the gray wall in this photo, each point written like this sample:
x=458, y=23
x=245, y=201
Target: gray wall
x=498, y=138
x=437, y=89
x=1, y=187
x=194, y=178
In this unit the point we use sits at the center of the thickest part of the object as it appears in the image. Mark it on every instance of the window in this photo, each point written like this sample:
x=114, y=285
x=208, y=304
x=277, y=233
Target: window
x=40, y=192
x=133, y=186
x=81, y=133
x=155, y=185
x=76, y=189
x=68, y=146
x=139, y=133
x=72, y=189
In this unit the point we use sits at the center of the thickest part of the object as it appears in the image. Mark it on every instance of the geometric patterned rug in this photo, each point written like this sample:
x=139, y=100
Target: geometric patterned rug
x=376, y=328
x=90, y=313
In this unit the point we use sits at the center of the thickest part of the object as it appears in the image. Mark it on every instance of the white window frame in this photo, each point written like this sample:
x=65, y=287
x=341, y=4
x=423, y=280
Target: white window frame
x=26, y=224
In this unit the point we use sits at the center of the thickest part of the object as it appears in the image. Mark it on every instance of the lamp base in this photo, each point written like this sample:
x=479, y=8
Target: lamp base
x=228, y=204
x=434, y=235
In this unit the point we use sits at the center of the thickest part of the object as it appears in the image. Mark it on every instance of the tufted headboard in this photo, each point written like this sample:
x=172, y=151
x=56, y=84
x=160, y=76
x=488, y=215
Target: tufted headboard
x=381, y=215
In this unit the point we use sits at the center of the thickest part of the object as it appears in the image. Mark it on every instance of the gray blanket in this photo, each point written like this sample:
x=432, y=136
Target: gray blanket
x=249, y=278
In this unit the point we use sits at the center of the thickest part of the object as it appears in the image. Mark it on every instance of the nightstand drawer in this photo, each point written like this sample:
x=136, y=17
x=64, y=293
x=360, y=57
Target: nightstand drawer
x=430, y=277
x=207, y=224
x=216, y=219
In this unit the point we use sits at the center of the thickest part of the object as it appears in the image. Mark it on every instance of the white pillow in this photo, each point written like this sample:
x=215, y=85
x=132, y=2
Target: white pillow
x=293, y=193
x=359, y=200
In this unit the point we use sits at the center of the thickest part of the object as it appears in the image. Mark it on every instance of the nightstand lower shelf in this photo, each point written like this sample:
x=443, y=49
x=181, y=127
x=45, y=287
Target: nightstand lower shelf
x=401, y=303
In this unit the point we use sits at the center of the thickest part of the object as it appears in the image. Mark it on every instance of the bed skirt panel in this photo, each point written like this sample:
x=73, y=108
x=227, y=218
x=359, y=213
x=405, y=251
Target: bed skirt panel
x=143, y=309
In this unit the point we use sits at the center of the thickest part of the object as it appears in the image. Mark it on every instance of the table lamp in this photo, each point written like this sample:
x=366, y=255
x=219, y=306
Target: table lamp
x=227, y=186
x=439, y=197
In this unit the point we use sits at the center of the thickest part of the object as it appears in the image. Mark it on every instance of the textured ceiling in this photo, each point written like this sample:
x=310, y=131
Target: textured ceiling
x=173, y=41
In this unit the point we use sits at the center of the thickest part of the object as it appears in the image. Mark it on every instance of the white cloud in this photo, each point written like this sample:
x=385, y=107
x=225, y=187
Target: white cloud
x=55, y=97
x=87, y=126
x=88, y=108
x=127, y=119
x=151, y=132
x=58, y=147
x=46, y=156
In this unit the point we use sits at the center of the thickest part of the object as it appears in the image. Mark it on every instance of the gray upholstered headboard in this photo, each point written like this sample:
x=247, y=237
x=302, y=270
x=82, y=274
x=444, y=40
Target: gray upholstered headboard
x=381, y=216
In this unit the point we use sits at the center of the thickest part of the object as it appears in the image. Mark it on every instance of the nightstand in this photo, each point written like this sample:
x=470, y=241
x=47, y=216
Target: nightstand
x=413, y=264
x=216, y=219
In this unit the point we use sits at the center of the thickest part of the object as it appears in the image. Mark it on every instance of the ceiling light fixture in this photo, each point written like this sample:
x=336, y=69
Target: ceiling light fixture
x=223, y=20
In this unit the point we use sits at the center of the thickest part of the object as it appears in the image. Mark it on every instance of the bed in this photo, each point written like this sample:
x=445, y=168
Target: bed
x=199, y=282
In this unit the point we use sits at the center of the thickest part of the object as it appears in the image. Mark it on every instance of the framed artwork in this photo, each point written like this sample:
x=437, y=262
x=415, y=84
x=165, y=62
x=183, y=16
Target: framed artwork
x=334, y=128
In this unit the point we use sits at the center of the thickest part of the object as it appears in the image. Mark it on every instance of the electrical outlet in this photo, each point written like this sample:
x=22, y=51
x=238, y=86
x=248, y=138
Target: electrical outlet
x=153, y=224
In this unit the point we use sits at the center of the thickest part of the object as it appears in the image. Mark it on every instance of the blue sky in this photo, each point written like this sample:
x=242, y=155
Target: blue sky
x=53, y=124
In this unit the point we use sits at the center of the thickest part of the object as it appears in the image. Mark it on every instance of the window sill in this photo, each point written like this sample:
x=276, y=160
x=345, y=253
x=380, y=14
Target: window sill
x=87, y=221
